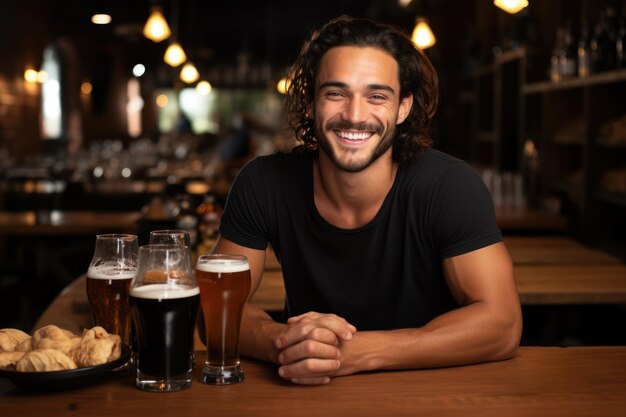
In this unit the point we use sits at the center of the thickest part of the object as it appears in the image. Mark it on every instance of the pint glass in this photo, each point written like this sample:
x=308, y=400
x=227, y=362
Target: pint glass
x=164, y=299
x=224, y=282
x=108, y=283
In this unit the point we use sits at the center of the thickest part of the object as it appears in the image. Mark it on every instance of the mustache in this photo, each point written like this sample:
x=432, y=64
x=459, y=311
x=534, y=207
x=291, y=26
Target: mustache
x=346, y=125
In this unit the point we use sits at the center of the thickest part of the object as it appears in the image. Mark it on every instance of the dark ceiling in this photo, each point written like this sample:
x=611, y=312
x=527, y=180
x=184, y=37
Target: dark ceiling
x=219, y=31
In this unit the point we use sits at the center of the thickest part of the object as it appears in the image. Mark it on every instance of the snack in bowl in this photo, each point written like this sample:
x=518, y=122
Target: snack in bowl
x=53, y=349
x=8, y=360
x=44, y=360
x=97, y=347
x=10, y=338
x=53, y=337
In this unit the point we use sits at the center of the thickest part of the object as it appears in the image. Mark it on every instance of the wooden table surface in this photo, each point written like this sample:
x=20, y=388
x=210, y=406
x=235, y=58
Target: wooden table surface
x=67, y=222
x=540, y=381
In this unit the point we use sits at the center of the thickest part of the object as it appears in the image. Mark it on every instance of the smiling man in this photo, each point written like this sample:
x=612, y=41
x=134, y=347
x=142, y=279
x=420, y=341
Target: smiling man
x=390, y=252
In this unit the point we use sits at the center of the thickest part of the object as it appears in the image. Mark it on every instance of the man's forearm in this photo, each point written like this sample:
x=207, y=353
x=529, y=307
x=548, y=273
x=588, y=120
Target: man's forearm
x=258, y=333
x=470, y=334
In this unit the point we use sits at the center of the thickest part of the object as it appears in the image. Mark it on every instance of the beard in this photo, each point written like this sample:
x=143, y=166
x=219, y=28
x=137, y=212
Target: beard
x=347, y=164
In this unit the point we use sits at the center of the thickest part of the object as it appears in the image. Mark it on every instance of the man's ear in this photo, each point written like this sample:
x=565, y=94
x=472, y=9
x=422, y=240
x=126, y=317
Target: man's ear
x=405, y=108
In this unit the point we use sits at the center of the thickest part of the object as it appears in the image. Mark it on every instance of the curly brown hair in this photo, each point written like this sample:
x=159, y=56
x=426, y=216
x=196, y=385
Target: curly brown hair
x=417, y=77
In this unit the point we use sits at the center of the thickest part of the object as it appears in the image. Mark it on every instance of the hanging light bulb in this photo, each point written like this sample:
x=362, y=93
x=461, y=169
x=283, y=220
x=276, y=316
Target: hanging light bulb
x=189, y=73
x=156, y=27
x=423, y=36
x=174, y=55
x=511, y=6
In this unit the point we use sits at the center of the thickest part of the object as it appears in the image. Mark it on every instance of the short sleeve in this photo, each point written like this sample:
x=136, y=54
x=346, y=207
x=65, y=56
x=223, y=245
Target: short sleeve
x=245, y=220
x=462, y=212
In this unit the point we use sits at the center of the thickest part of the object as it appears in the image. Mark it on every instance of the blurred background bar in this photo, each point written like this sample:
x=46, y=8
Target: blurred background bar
x=128, y=116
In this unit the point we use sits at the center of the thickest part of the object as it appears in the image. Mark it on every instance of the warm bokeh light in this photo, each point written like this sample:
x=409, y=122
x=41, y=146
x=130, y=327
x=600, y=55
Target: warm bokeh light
x=156, y=27
x=42, y=76
x=204, y=88
x=511, y=6
x=86, y=88
x=101, y=19
x=30, y=75
x=423, y=36
x=189, y=73
x=283, y=85
x=162, y=100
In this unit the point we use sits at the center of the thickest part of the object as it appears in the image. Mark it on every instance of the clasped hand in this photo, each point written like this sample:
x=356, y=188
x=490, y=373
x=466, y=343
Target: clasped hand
x=311, y=347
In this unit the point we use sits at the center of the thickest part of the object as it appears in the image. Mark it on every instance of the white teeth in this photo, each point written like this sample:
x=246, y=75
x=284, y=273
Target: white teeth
x=354, y=135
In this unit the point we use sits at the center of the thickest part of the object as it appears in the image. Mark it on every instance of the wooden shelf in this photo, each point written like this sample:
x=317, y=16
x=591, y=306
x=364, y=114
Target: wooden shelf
x=612, y=146
x=613, y=198
x=580, y=82
x=569, y=141
x=485, y=136
x=562, y=187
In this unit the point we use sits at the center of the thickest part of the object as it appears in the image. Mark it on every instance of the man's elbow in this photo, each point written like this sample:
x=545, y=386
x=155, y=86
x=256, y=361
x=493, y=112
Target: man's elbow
x=510, y=336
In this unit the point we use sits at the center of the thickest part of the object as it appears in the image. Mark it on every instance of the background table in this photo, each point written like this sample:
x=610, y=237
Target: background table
x=67, y=222
x=573, y=382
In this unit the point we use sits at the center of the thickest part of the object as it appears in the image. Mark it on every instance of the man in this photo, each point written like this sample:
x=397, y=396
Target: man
x=390, y=252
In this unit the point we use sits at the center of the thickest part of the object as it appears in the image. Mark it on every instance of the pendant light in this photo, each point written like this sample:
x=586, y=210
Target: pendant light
x=511, y=6
x=156, y=27
x=174, y=55
x=189, y=73
x=423, y=36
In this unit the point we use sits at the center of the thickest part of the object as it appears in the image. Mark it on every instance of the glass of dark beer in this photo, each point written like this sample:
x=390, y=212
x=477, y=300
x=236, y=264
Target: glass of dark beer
x=224, y=282
x=110, y=273
x=164, y=299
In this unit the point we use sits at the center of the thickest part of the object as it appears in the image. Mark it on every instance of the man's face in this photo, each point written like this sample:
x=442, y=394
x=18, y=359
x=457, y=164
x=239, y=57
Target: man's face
x=357, y=106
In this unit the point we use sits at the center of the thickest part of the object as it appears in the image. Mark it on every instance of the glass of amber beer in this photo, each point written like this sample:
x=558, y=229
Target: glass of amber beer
x=110, y=273
x=164, y=299
x=224, y=282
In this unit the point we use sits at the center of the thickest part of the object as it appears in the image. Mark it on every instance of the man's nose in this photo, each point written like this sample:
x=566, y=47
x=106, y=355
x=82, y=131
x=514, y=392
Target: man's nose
x=355, y=110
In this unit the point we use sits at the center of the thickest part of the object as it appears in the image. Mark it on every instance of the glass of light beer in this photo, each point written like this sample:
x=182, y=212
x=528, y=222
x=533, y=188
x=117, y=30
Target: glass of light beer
x=170, y=237
x=110, y=273
x=164, y=299
x=224, y=282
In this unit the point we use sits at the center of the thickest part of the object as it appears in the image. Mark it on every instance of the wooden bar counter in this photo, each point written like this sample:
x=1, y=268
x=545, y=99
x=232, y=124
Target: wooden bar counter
x=540, y=381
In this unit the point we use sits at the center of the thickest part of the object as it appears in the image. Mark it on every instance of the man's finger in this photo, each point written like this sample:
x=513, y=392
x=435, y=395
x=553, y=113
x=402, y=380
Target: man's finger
x=308, y=349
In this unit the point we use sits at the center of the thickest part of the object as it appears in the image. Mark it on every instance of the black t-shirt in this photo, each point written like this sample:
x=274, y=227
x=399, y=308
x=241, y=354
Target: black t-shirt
x=386, y=274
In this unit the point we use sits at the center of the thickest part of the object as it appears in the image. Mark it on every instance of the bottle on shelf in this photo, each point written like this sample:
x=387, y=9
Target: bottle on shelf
x=187, y=220
x=555, y=58
x=567, y=54
x=603, y=43
x=584, y=52
x=620, y=42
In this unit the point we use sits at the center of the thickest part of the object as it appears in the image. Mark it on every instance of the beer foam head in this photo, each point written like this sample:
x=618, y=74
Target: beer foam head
x=113, y=271
x=164, y=291
x=223, y=265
